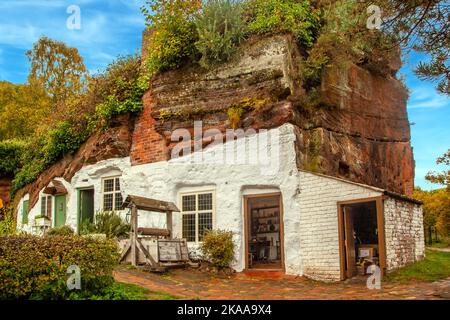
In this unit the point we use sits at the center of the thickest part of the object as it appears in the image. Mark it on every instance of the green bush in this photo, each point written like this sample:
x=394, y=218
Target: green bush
x=296, y=16
x=61, y=231
x=8, y=224
x=172, y=47
x=35, y=267
x=218, y=248
x=10, y=155
x=42, y=151
x=119, y=90
x=220, y=27
x=64, y=138
x=108, y=223
x=29, y=173
x=173, y=37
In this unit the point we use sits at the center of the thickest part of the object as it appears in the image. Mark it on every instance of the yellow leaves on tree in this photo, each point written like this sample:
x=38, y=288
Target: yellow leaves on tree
x=59, y=68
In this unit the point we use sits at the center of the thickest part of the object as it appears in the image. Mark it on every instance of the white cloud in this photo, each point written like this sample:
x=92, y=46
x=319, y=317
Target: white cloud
x=426, y=97
x=18, y=36
x=108, y=28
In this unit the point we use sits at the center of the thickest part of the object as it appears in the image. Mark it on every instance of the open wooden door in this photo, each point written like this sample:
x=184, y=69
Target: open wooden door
x=349, y=243
x=361, y=236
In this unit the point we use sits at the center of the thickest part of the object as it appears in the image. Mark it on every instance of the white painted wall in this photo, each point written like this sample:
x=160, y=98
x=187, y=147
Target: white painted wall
x=309, y=200
x=317, y=226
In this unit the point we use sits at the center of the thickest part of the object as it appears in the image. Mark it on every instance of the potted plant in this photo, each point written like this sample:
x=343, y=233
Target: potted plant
x=42, y=221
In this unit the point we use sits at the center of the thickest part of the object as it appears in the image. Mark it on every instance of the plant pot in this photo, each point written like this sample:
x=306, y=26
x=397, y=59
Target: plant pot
x=42, y=222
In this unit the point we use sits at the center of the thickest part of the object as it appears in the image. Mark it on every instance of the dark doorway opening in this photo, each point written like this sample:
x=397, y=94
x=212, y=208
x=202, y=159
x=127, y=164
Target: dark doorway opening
x=264, y=232
x=361, y=238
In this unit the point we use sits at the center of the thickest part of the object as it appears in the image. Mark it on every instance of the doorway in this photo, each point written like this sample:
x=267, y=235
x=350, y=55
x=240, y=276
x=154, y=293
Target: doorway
x=264, y=232
x=361, y=237
x=85, y=207
x=60, y=211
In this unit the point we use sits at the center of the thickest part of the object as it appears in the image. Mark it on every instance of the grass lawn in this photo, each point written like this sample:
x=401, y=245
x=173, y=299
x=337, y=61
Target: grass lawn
x=440, y=245
x=434, y=267
x=135, y=292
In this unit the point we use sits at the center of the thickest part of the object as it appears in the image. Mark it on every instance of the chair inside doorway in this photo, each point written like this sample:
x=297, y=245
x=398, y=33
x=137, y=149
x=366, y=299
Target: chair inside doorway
x=264, y=232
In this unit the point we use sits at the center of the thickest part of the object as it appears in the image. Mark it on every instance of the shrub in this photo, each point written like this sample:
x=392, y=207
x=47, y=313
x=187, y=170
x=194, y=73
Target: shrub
x=27, y=174
x=108, y=223
x=45, y=149
x=61, y=231
x=35, y=267
x=271, y=16
x=119, y=90
x=8, y=224
x=64, y=138
x=10, y=155
x=220, y=27
x=218, y=248
x=172, y=42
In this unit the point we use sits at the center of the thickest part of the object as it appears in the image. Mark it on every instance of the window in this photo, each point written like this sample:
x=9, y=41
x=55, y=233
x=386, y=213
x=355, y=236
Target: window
x=46, y=206
x=197, y=210
x=112, y=198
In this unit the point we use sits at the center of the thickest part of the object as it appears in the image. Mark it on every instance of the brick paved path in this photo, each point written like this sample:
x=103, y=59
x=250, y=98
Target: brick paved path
x=192, y=284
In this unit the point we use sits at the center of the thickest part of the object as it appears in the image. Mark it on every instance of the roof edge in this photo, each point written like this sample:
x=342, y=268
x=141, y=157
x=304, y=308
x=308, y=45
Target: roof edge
x=385, y=192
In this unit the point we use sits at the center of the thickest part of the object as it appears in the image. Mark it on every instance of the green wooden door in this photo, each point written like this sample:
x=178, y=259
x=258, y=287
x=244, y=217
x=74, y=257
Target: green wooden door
x=60, y=211
x=86, y=206
x=25, y=212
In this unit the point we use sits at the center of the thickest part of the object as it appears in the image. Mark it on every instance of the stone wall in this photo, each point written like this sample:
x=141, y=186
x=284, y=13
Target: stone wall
x=148, y=145
x=318, y=223
x=405, y=242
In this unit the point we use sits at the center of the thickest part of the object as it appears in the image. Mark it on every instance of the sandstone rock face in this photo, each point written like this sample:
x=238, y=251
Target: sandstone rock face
x=365, y=136
x=261, y=76
x=360, y=132
x=114, y=143
x=5, y=186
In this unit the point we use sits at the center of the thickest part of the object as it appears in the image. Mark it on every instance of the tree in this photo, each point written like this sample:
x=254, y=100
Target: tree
x=422, y=25
x=23, y=108
x=436, y=209
x=59, y=68
x=444, y=177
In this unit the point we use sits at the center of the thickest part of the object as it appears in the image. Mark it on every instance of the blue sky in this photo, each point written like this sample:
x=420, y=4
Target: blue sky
x=110, y=28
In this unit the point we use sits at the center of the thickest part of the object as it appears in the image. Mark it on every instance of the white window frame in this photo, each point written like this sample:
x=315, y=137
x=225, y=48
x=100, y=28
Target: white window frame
x=196, y=212
x=114, y=192
x=46, y=213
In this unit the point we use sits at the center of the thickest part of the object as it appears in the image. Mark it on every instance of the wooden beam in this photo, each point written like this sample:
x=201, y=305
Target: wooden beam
x=381, y=236
x=169, y=223
x=125, y=251
x=147, y=254
x=133, y=236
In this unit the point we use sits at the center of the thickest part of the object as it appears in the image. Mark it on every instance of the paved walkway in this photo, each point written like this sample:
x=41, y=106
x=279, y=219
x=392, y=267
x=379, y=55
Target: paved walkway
x=439, y=249
x=192, y=284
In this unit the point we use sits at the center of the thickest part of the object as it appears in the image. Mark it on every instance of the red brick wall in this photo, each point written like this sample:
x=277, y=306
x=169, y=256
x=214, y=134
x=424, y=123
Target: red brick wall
x=148, y=146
